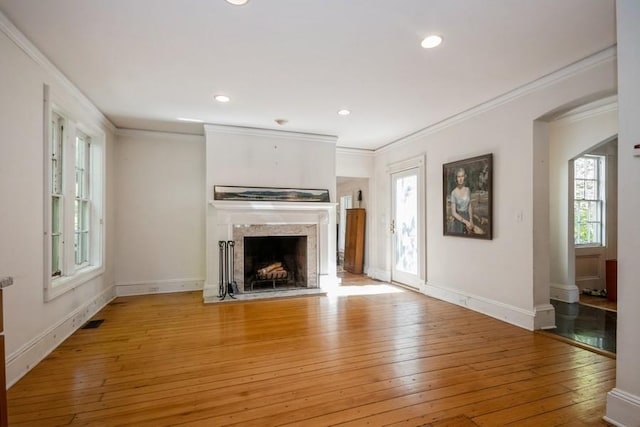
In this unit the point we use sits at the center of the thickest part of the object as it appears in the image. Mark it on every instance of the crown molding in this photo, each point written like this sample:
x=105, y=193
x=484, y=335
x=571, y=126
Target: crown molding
x=158, y=134
x=345, y=151
x=269, y=133
x=570, y=70
x=20, y=40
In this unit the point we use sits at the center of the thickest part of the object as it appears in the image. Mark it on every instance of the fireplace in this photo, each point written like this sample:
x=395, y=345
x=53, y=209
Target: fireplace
x=275, y=262
x=307, y=227
x=259, y=246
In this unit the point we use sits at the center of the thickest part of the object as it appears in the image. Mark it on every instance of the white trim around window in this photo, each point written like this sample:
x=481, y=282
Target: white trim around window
x=589, y=199
x=68, y=274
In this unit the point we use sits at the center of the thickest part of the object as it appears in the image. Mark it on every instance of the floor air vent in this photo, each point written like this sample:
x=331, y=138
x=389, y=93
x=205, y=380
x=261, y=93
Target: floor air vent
x=92, y=324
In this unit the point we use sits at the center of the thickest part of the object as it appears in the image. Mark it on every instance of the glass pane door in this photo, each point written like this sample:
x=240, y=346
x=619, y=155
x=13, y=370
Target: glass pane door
x=405, y=226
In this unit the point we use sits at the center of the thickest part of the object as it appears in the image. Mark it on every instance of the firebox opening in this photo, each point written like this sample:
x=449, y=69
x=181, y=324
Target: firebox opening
x=275, y=262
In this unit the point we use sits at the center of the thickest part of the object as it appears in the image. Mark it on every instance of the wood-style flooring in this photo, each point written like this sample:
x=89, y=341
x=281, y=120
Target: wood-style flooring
x=380, y=356
x=598, y=302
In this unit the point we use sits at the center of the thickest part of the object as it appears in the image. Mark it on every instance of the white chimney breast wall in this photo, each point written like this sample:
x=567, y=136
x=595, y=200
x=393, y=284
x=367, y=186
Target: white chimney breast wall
x=269, y=158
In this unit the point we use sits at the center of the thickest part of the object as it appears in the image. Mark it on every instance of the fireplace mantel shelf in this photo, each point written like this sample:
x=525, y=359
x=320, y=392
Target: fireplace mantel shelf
x=271, y=206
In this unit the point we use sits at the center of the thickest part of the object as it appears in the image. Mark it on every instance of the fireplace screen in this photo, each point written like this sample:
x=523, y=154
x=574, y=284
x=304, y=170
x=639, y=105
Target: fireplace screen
x=275, y=262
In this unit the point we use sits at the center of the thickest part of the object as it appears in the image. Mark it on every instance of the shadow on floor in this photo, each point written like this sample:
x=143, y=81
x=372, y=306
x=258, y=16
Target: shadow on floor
x=586, y=325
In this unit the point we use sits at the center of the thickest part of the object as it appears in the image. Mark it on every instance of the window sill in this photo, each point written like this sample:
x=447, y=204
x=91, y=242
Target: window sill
x=62, y=285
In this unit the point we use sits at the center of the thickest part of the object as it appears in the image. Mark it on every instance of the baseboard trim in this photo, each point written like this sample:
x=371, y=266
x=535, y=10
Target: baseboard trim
x=29, y=355
x=159, y=287
x=382, y=275
x=210, y=291
x=564, y=293
x=545, y=317
x=505, y=312
x=623, y=409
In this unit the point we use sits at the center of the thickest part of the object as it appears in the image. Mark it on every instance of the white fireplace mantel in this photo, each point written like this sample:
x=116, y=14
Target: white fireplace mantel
x=223, y=215
x=273, y=208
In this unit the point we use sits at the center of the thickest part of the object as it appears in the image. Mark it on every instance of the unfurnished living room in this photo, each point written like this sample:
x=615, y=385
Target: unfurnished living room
x=317, y=213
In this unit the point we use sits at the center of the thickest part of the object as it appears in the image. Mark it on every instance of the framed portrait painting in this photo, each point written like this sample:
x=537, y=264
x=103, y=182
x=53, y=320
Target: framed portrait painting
x=467, y=197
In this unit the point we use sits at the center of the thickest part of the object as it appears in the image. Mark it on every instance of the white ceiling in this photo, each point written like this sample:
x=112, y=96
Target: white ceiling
x=144, y=63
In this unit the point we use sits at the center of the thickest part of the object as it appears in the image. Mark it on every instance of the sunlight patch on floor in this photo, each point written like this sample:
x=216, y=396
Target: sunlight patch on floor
x=346, y=290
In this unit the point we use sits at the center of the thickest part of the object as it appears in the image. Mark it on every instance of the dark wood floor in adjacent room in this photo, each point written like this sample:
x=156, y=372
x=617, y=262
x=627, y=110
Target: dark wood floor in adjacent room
x=382, y=356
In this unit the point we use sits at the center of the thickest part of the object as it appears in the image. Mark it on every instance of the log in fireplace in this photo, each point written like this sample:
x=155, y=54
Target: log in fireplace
x=275, y=262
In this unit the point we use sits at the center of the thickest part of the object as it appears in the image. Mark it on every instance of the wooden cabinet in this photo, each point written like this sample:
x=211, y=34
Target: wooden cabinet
x=354, y=241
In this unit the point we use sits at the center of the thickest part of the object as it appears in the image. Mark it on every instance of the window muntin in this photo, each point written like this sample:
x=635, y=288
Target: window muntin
x=588, y=204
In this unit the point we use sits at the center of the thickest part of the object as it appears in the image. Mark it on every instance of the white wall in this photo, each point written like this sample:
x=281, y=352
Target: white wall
x=32, y=327
x=267, y=158
x=354, y=163
x=351, y=187
x=623, y=403
x=569, y=137
x=160, y=212
x=496, y=276
x=358, y=165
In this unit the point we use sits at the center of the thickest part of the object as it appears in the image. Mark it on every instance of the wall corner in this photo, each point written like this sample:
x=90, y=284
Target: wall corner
x=623, y=409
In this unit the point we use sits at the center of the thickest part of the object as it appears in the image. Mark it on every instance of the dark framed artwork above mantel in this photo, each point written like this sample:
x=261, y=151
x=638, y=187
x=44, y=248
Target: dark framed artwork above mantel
x=468, y=197
x=269, y=194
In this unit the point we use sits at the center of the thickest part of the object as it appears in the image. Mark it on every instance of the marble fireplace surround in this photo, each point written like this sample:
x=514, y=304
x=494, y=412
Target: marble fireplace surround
x=308, y=230
x=233, y=220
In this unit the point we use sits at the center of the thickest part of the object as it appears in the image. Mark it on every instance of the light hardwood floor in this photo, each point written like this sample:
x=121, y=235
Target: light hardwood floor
x=385, y=356
x=598, y=302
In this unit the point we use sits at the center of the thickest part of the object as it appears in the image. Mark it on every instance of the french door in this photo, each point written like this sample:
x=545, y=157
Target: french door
x=406, y=227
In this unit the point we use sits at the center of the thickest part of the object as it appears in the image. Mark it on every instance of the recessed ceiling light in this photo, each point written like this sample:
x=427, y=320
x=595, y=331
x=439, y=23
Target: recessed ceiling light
x=431, y=41
x=344, y=112
x=237, y=2
x=222, y=98
x=186, y=119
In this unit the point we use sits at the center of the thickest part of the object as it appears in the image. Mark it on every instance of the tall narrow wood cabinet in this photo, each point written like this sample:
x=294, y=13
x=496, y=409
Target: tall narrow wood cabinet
x=354, y=241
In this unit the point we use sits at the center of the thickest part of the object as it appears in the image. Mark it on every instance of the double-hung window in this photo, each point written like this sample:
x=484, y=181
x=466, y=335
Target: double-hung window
x=73, y=243
x=589, y=200
x=56, y=192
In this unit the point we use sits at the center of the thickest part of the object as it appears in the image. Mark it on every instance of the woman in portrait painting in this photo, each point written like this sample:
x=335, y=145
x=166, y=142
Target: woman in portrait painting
x=461, y=208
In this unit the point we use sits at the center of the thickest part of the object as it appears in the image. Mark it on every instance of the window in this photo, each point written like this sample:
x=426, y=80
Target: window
x=55, y=149
x=588, y=200
x=81, y=211
x=73, y=203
